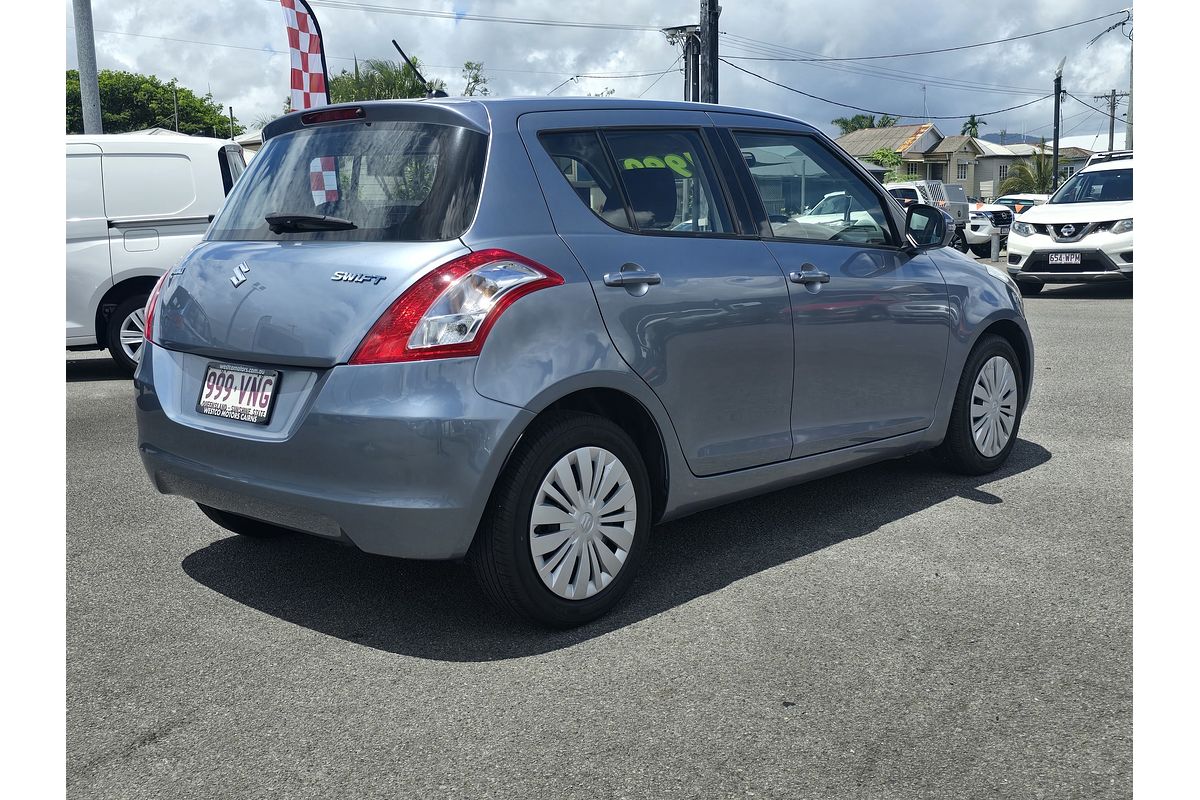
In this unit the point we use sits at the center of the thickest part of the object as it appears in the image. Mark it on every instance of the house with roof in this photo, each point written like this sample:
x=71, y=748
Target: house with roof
x=979, y=166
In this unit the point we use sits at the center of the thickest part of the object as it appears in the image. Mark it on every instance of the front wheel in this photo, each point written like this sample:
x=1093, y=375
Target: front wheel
x=986, y=415
x=568, y=522
x=959, y=242
x=126, y=332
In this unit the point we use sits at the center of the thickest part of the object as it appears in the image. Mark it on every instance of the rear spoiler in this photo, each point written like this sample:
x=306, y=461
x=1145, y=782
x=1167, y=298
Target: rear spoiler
x=459, y=113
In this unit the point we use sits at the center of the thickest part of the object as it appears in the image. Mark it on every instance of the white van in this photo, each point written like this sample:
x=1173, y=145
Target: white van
x=136, y=203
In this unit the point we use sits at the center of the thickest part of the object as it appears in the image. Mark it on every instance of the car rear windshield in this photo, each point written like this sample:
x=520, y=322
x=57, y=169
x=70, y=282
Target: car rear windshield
x=1101, y=186
x=391, y=181
x=909, y=195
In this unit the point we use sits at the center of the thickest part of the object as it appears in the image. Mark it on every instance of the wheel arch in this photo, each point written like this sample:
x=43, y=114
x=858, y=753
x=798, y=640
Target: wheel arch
x=118, y=293
x=636, y=420
x=1011, y=332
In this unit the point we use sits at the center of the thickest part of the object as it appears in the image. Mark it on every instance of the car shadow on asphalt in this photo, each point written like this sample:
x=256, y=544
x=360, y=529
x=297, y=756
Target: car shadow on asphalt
x=1084, y=291
x=434, y=610
x=94, y=369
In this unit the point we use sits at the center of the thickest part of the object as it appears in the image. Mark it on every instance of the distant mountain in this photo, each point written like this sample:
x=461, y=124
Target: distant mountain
x=1011, y=138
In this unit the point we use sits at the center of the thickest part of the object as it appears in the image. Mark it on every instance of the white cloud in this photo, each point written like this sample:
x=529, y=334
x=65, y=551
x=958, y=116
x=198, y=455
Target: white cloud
x=518, y=59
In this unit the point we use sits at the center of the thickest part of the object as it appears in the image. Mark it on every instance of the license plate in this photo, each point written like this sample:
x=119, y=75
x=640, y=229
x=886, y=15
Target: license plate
x=232, y=391
x=1066, y=258
x=1004, y=230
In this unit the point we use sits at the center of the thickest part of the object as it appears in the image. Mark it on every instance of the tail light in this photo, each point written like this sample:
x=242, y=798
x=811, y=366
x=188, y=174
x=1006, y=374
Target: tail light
x=448, y=313
x=151, y=303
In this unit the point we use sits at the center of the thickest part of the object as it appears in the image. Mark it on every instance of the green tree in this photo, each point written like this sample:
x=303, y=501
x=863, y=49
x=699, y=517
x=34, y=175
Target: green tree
x=130, y=102
x=971, y=126
x=892, y=160
x=1033, y=175
x=378, y=79
x=476, y=80
x=887, y=121
x=856, y=123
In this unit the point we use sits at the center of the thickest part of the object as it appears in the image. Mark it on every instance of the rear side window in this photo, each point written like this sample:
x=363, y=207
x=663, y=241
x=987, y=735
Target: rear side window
x=394, y=181
x=583, y=162
x=669, y=182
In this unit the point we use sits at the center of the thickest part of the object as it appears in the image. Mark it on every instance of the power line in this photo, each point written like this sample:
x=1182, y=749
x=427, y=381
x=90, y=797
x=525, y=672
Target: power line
x=660, y=75
x=1089, y=105
x=457, y=17
x=942, y=49
x=917, y=79
x=876, y=111
x=761, y=47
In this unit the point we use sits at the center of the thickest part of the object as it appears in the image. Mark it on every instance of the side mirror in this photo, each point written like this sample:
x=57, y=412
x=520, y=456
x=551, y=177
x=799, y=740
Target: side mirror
x=927, y=227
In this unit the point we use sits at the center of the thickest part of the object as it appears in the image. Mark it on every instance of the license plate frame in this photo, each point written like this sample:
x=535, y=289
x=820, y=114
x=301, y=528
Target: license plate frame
x=1065, y=259
x=1004, y=230
x=243, y=400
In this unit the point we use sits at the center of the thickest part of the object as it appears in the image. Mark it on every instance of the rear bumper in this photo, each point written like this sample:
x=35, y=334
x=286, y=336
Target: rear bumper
x=397, y=459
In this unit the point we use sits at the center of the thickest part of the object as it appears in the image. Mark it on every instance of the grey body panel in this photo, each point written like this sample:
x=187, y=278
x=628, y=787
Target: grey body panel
x=289, y=310
x=400, y=459
x=713, y=340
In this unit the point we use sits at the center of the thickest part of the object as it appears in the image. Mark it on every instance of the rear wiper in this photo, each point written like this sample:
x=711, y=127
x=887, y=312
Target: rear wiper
x=295, y=223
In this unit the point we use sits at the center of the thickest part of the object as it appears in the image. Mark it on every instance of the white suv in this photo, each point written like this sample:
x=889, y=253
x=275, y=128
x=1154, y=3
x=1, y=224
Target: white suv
x=1084, y=233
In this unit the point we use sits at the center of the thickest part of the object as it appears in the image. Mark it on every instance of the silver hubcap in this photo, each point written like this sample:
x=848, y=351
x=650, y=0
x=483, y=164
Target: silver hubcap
x=133, y=334
x=583, y=521
x=994, y=406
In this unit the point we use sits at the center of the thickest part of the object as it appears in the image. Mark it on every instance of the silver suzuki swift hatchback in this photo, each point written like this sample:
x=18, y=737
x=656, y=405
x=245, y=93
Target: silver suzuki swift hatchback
x=524, y=331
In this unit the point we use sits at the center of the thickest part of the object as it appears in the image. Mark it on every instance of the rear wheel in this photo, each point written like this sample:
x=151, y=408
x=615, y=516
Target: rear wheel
x=987, y=410
x=126, y=332
x=568, y=522
x=243, y=526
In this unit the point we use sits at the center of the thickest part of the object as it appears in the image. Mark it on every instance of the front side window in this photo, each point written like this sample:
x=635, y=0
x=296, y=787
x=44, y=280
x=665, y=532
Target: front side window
x=1101, y=186
x=669, y=182
x=809, y=193
x=380, y=181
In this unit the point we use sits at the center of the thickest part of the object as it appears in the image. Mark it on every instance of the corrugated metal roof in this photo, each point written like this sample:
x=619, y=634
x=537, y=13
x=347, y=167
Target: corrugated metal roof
x=951, y=144
x=867, y=140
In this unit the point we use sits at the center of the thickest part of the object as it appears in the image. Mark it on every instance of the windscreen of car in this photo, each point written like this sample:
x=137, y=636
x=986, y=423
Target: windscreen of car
x=834, y=205
x=1101, y=186
x=393, y=181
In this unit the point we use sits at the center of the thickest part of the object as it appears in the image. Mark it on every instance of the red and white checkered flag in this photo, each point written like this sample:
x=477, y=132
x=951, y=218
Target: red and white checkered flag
x=310, y=84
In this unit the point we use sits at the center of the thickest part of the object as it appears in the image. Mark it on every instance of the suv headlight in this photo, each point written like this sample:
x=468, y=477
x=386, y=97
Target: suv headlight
x=1022, y=229
x=979, y=216
x=1123, y=226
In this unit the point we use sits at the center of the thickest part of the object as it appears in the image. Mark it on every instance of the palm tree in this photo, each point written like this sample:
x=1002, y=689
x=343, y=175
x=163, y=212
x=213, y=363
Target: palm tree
x=378, y=79
x=1033, y=175
x=855, y=123
x=971, y=126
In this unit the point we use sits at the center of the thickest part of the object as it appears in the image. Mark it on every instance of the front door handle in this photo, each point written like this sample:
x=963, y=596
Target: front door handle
x=632, y=279
x=808, y=274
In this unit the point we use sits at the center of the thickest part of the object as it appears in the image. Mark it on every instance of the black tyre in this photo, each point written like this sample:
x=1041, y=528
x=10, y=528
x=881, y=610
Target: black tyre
x=1030, y=287
x=982, y=250
x=123, y=335
x=243, y=526
x=568, y=522
x=986, y=417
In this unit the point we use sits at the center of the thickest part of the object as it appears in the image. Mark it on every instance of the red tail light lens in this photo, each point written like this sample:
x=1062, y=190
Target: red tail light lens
x=151, y=302
x=449, y=312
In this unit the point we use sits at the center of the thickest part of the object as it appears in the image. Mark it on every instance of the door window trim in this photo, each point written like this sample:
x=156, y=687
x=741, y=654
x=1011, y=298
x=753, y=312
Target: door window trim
x=756, y=204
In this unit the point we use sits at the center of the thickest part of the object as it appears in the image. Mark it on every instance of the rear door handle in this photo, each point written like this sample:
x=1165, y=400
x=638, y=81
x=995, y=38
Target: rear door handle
x=632, y=278
x=809, y=274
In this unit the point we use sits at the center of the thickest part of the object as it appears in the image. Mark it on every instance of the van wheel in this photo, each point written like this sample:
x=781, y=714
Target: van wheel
x=126, y=332
x=986, y=415
x=243, y=526
x=568, y=522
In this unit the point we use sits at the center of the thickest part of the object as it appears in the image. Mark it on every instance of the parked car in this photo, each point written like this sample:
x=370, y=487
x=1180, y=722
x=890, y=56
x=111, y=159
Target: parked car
x=1084, y=233
x=986, y=219
x=1021, y=202
x=484, y=335
x=1109, y=155
x=949, y=197
x=135, y=204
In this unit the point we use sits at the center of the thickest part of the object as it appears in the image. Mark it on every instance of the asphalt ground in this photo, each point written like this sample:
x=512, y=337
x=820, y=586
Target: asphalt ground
x=892, y=632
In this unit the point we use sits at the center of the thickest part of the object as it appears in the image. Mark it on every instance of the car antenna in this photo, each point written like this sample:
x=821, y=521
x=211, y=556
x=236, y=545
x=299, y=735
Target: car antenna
x=428, y=92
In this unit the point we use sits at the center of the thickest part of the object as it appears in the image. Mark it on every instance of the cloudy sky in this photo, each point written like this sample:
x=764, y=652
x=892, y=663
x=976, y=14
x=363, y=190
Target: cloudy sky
x=235, y=49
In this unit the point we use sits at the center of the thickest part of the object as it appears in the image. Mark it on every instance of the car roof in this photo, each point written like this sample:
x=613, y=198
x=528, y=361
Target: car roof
x=1100, y=166
x=481, y=112
x=150, y=143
